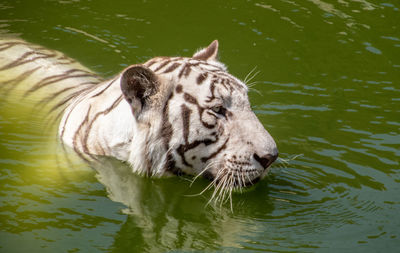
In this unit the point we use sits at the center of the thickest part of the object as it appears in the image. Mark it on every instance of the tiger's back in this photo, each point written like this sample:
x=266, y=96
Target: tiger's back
x=40, y=76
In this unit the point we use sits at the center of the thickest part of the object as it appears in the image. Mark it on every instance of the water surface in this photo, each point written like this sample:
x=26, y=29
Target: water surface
x=327, y=89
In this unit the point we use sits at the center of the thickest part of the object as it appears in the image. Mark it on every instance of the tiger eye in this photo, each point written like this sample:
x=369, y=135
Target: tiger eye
x=219, y=110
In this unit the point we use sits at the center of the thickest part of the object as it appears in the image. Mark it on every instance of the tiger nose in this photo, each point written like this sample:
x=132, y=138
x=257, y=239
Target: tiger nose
x=266, y=160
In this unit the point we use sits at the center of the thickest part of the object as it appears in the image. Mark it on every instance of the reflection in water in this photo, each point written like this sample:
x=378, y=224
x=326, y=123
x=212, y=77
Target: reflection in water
x=162, y=215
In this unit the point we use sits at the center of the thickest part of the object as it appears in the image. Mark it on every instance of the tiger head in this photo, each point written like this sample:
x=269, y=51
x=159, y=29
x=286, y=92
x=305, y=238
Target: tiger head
x=193, y=117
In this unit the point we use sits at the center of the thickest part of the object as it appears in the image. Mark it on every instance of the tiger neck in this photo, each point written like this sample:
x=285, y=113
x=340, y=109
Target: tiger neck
x=101, y=122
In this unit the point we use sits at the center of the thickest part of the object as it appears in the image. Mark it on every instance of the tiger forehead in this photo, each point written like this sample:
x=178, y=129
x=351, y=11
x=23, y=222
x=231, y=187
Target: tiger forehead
x=168, y=64
x=215, y=73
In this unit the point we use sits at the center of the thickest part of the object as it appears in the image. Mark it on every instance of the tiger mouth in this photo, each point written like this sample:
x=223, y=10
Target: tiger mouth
x=235, y=182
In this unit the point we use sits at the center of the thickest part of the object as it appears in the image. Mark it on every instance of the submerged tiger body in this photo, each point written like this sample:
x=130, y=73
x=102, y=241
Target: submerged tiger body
x=170, y=115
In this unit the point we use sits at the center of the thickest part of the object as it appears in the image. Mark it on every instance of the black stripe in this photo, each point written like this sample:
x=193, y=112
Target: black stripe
x=150, y=63
x=182, y=70
x=185, y=71
x=200, y=79
x=170, y=166
x=205, y=159
x=186, y=122
x=21, y=60
x=59, y=78
x=65, y=123
x=162, y=65
x=72, y=96
x=89, y=127
x=172, y=68
x=10, y=44
x=108, y=86
x=70, y=109
x=52, y=96
x=189, y=98
x=166, y=128
x=183, y=148
x=16, y=81
x=77, y=132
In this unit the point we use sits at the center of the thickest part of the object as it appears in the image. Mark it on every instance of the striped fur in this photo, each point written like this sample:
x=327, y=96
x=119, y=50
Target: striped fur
x=46, y=77
x=169, y=115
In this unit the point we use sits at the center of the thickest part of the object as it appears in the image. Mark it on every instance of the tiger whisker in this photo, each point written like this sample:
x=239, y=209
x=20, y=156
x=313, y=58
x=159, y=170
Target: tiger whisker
x=284, y=162
x=251, y=84
x=229, y=192
x=251, y=182
x=218, y=188
x=255, y=90
x=220, y=193
x=208, y=186
x=230, y=198
x=204, y=170
x=248, y=78
x=244, y=180
x=218, y=183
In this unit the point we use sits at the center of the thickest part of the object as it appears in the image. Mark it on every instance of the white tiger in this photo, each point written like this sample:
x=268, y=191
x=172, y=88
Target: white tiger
x=170, y=115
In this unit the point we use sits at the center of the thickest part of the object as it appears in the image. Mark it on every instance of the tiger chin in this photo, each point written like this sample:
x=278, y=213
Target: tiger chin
x=173, y=115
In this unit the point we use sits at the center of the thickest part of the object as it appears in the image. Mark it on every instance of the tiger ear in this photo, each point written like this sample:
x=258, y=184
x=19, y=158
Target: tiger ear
x=208, y=53
x=138, y=84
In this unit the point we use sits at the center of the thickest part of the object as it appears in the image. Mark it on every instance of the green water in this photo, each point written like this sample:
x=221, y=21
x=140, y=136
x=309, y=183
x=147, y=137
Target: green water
x=328, y=92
